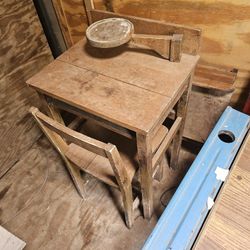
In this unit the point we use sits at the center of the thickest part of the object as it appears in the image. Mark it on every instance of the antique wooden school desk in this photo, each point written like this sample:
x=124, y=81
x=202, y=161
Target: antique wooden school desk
x=129, y=91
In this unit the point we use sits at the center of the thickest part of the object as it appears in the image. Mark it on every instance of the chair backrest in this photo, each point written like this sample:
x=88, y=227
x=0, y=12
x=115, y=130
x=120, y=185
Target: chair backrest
x=58, y=131
x=191, y=36
x=84, y=141
x=106, y=150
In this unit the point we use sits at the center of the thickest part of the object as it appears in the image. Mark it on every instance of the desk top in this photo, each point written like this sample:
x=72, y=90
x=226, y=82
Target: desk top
x=128, y=87
x=227, y=226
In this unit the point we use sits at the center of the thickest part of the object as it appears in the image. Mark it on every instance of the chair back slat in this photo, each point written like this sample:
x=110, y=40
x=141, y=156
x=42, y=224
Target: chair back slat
x=72, y=136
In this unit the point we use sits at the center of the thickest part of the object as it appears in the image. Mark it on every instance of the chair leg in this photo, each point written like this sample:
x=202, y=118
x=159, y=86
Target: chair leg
x=127, y=198
x=159, y=172
x=124, y=183
x=60, y=145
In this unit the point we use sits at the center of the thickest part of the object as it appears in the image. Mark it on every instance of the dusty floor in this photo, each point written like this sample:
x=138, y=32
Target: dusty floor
x=39, y=204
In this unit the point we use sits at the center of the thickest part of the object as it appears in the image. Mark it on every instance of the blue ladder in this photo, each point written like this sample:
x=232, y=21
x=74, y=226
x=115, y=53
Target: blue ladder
x=182, y=219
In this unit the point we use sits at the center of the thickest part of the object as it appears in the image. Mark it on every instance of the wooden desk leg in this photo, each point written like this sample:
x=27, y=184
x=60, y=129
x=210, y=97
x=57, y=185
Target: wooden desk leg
x=61, y=146
x=145, y=162
x=159, y=174
x=181, y=111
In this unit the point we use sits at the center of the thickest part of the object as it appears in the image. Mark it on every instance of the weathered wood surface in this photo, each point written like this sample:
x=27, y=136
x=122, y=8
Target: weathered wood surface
x=225, y=37
x=116, y=31
x=9, y=241
x=127, y=88
x=72, y=19
x=23, y=51
x=225, y=28
x=110, y=99
x=42, y=208
x=80, y=147
x=191, y=36
x=215, y=77
x=125, y=94
x=133, y=67
x=228, y=224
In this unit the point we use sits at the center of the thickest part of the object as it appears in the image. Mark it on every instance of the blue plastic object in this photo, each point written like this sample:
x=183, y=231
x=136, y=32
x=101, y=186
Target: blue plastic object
x=182, y=219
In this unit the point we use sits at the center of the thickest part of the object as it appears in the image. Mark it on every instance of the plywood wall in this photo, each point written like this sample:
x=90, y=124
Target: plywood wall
x=225, y=25
x=23, y=52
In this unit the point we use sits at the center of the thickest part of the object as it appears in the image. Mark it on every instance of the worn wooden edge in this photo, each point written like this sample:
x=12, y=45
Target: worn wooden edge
x=144, y=149
x=71, y=135
x=89, y=5
x=63, y=23
x=77, y=110
x=166, y=142
x=191, y=38
x=105, y=123
x=176, y=48
x=169, y=110
x=215, y=77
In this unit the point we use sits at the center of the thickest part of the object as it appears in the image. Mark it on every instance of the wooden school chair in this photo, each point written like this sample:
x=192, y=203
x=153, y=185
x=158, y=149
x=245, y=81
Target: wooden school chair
x=100, y=159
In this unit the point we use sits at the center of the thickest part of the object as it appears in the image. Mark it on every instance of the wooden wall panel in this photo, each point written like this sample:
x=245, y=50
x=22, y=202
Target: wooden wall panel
x=225, y=25
x=23, y=52
x=72, y=19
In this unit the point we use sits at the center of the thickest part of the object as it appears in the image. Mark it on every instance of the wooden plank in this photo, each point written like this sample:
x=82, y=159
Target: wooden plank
x=89, y=5
x=24, y=51
x=9, y=241
x=63, y=22
x=166, y=142
x=191, y=36
x=230, y=18
x=104, y=123
x=61, y=146
x=159, y=137
x=72, y=19
x=227, y=226
x=215, y=77
x=99, y=167
x=90, y=163
x=124, y=182
x=113, y=100
x=81, y=140
x=145, y=70
x=181, y=111
x=74, y=124
x=144, y=150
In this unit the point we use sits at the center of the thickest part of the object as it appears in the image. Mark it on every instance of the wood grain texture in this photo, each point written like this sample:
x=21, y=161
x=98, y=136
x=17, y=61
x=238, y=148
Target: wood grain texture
x=83, y=144
x=225, y=29
x=42, y=208
x=133, y=66
x=23, y=52
x=225, y=25
x=228, y=224
x=113, y=100
x=191, y=36
x=72, y=19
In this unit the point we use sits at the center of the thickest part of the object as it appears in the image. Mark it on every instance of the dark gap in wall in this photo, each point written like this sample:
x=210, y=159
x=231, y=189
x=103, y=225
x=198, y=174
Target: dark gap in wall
x=51, y=27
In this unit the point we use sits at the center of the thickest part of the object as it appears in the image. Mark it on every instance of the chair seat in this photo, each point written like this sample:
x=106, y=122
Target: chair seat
x=99, y=166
